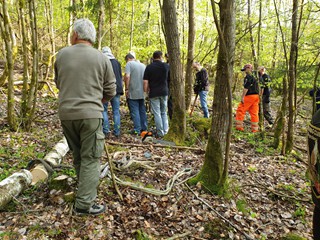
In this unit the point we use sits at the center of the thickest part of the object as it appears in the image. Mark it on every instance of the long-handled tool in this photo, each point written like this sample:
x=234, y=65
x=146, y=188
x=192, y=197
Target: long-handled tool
x=112, y=173
x=193, y=105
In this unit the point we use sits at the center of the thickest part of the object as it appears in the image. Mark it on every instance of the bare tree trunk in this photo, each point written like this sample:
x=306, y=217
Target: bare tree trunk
x=275, y=47
x=10, y=43
x=72, y=4
x=190, y=57
x=261, y=116
x=100, y=23
x=214, y=172
x=178, y=123
x=254, y=55
x=280, y=122
x=292, y=75
x=32, y=95
x=25, y=51
x=50, y=66
x=148, y=24
x=132, y=24
x=110, y=23
x=281, y=118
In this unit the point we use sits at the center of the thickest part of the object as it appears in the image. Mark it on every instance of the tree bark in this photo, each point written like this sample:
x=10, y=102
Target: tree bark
x=13, y=186
x=253, y=50
x=25, y=51
x=280, y=119
x=101, y=20
x=292, y=75
x=132, y=24
x=18, y=182
x=10, y=44
x=178, y=123
x=213, y=173
x=32, y=92
x=190, y=56
x=54, y=157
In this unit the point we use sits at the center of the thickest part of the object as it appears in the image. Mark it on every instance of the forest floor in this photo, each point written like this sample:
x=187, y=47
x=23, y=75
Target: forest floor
x=267, y=197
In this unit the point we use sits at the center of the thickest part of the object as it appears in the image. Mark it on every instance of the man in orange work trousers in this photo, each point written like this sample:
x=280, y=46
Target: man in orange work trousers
x=249, y=101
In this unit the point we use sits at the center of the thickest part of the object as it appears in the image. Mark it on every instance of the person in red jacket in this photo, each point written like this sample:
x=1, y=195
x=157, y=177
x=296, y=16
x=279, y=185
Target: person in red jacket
x=249, y=101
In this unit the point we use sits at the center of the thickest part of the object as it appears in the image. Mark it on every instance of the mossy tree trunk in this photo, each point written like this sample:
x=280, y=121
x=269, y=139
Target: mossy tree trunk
x=213, y=174
x=190, y=56
x=178, y=123
x=280, y=120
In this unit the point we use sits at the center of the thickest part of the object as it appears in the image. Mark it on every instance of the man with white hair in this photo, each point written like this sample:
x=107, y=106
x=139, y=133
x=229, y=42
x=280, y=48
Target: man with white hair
x=85, y=79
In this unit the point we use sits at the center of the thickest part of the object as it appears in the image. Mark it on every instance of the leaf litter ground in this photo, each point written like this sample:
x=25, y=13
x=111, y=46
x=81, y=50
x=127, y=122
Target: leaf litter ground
x=268, y=193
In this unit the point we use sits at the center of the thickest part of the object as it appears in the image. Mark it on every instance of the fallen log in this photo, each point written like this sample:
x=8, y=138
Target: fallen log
x=54, y=157
x=13, y=185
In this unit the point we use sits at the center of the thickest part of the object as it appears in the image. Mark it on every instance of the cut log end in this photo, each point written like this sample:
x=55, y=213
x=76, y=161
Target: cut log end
x=39, y=173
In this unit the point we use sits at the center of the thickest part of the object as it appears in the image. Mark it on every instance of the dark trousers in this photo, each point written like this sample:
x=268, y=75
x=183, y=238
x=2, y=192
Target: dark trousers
x=266, y=108
x=86, y=141
x=316, y=223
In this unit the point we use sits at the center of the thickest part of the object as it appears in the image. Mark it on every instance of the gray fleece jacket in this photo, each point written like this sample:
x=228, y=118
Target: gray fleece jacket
x=83, y=76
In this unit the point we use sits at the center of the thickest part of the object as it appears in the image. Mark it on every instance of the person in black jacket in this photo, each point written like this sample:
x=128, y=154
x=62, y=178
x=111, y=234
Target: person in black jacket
x=265, y=81
x=201, y=86
x=317, y=97
x=155, y=84
x=115, y=101
x=313, y=169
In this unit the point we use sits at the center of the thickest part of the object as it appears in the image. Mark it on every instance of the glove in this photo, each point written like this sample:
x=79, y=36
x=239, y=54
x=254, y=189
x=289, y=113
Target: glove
x=196, y=89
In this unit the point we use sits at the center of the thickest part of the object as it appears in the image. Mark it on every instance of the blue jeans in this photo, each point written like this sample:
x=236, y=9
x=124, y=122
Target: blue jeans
x=115, y=103
x=159, y=110
x=138, y=114
x=203, y=102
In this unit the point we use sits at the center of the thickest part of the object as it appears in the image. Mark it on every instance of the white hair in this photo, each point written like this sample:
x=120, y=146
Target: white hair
x=85, y=30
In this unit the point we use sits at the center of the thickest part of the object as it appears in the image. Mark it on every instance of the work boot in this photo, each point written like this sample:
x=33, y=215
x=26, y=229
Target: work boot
x=95, y=209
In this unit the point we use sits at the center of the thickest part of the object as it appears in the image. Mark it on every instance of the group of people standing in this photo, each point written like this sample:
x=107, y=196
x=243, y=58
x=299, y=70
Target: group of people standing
x=88, y=79
x=251, y=96
x=152, y=81
x=140, y=81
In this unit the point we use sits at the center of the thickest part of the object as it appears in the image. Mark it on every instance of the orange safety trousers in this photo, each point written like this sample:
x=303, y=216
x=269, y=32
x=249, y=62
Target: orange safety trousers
x=251, y=104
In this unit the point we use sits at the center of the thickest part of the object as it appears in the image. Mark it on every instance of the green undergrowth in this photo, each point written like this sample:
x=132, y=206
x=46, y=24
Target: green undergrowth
x=292, y=236
x=215, y=227
x=17, y=149
x=262, y=145
x=198, y=129
x=141, y=235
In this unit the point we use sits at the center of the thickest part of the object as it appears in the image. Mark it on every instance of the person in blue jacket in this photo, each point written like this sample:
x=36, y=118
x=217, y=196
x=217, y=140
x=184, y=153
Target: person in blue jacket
x=115, y=101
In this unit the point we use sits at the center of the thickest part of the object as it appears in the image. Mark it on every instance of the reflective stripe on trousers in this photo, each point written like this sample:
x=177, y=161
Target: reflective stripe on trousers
x=251, y=104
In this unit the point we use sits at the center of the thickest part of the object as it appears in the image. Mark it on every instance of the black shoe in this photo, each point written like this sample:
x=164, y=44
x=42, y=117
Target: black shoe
x=95, y=209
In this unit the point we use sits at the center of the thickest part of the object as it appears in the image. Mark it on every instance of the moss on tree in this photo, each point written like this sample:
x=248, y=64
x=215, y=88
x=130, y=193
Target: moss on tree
x=210, y=175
